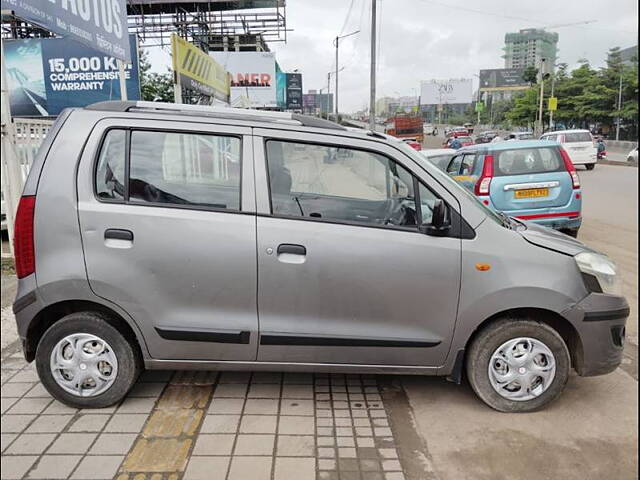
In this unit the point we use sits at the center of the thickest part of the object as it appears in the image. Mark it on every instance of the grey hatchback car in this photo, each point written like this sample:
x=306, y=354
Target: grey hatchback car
x=166, y=236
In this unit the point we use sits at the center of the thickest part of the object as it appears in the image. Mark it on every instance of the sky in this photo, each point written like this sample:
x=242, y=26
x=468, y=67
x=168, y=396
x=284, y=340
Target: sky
x=433, y=39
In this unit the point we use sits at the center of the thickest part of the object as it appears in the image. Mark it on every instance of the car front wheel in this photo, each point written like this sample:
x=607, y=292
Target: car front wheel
x=518, y=365
x=85, y=362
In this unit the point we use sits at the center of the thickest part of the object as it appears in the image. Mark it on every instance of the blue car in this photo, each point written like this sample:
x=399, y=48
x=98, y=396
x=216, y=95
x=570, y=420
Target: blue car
x=529, y=180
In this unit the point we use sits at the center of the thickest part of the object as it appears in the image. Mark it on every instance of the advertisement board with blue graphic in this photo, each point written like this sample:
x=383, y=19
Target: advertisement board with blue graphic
x=48, y=75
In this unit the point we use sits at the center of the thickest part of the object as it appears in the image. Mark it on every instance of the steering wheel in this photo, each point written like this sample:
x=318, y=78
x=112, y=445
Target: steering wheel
x=397, y=213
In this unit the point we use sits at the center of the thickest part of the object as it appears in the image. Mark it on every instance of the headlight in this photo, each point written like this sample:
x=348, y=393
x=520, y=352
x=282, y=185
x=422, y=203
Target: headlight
x=603, y=269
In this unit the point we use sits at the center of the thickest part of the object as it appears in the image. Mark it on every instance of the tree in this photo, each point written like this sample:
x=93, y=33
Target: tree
x=154, y=87
x=525, y=108
x=530, y=74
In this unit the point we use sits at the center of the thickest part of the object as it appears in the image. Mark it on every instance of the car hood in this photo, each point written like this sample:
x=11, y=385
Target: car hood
x=553, y=240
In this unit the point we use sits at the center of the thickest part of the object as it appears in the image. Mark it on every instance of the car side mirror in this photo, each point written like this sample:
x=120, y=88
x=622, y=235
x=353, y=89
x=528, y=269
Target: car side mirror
x=440, y=220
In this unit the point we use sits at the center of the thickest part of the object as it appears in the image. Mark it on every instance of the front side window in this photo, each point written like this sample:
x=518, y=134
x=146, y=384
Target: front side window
x=110, y=181
x=343, y=184
x=185, y=169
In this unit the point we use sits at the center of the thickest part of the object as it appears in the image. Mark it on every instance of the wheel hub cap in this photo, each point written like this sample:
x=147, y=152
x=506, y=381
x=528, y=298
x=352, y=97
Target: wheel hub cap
x=522, y=369
x=83, y=364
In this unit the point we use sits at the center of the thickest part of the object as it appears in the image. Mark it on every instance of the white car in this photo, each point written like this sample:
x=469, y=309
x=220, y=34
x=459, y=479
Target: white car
x=579, y=145
x=520, y=136
x=633, y=155
x=440, y=157
x=429, y=129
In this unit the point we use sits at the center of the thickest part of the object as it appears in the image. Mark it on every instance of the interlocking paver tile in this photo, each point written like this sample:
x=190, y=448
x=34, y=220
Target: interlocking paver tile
x=137, y=405
x=214, y=444
x=98, y=467
x=254, y=445
x=347, y=452
x=54, y=466
x=261, y=406
x=29, y=405
x=15, y=389
x=15, y=467
x=226, y=405
x=207, y=468
x=295, y=469
x=345, y=441
x=172, y=423
x=220, y=424
x=49, y=424
x=77, y=443
x=394, y=476
x=348, y=464
x=325, y=441
x=264, y=390
x=230, y=390
x=30, y=444
x=147, y=389
x=38, y=390
x=113, y=444
x=158, y=455
x=388, y=452
x=15, y=423
x=327, y=464
x=126, y=422
x=391, y=465
x=296, y=445
x=182, y=396
x=296, y=425
x=297, y=391
x=89, y=423
x=25, y=376
x=6, y=439
x=254, y=468
x=56, y=408
x=6, y=403
x=258, y=424
x=296, y=407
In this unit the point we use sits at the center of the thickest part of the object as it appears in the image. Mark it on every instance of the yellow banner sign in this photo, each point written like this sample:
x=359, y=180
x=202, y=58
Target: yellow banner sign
x=198, y=71
x=553, y=104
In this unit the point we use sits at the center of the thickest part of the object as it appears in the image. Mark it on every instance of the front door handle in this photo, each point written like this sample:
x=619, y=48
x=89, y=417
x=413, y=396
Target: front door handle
x=292, y=249
x=118, y=234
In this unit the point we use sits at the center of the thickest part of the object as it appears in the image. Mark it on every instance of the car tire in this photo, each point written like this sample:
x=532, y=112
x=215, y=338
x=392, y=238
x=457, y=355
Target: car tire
x=590, y=166
x=494, y=337
x=83, y=328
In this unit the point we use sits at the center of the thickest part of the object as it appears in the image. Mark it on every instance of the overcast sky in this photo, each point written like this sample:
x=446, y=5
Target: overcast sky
x=433, y=39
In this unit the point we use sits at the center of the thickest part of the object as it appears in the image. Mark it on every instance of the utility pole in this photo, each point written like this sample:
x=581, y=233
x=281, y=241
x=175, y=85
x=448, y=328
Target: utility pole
x=336, y=42
x=553, y=84
x=372, y=98
x=328, y=94
x=619, y=107
x=540, y=125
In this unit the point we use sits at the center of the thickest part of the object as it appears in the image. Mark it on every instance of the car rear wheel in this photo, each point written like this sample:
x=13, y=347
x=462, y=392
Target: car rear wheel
x=518, y=365
x=590, y=166
x=85, y=362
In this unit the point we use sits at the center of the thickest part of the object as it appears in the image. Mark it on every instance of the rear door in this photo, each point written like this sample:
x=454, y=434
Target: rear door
x=579, y=146
x=169, y=235
x=528, y=178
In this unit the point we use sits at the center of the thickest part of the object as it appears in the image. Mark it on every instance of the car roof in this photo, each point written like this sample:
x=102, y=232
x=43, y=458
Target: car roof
x=575, y=130
x=433, y=152
x=500, y=146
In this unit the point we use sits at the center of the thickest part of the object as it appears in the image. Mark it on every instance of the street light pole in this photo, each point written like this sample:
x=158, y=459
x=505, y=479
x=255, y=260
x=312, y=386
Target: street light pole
x=619, y=108
x=336, y=42
x=372, y=93
x=541, y=96
x=553, y=84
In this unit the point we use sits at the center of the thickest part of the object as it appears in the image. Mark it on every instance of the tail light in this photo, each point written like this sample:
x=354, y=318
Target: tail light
x=568, y=164
x=23, y=244
x=482, y=186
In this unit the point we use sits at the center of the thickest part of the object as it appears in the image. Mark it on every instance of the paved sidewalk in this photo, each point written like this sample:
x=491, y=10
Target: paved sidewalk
x=205, y=425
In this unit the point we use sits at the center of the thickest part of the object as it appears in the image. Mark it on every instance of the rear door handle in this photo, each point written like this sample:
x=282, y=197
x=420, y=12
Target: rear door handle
x=118, y=234
x=292, y=249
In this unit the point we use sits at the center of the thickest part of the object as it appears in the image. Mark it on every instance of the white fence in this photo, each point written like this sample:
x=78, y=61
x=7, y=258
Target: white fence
x=24, y=142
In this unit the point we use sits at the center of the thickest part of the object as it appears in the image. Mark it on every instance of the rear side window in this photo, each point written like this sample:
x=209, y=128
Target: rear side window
x=528, y=161
x=550, y=138
x=110, y=179
x=185, y=169
x=577, y=137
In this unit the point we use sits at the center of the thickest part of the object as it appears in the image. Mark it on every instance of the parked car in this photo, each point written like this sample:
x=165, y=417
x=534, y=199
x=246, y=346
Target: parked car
x=429, y=129
x=529, y=180
x=486, y=137
x=459, y=132
x=633, y=155
x=579, y=145
x=440, y=157
x=520, y=136
x=156, y=235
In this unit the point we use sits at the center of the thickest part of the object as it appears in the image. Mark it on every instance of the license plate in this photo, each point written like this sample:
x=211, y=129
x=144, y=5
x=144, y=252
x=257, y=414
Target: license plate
x=532, y=193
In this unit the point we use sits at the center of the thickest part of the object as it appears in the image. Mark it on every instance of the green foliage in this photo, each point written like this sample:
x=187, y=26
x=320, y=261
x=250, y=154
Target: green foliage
x=154, y=87
x=530, y=75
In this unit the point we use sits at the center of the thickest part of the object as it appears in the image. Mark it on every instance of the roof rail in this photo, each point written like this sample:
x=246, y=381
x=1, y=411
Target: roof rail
x=218, y=112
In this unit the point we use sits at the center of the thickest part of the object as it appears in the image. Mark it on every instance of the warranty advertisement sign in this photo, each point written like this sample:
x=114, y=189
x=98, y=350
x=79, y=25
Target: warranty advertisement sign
x=198, y=71
x=48, y=75
x=101, y=25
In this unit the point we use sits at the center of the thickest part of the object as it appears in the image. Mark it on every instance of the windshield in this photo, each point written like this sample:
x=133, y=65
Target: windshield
x=450, y=183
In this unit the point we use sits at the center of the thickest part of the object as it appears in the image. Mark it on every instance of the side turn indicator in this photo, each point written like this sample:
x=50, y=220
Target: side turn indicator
x=483, y=267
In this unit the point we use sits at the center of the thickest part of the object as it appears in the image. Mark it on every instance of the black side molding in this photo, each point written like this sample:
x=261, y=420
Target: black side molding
x=23, y=302
x=283, y=339
x=456, y=374
x=605, y=315
x=241, y=337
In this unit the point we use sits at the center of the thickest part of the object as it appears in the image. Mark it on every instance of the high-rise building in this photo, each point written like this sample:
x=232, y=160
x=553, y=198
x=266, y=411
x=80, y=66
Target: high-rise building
x=528, y=47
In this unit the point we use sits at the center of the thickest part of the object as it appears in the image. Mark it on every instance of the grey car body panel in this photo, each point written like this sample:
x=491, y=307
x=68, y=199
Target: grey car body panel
x=175, y=282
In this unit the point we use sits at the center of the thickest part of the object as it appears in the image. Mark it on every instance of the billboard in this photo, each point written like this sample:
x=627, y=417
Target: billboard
x=502, y=79
x=100, y=25
x=253, y=77
x=198, y=71
x=47, y=75
x=294, y=91
x=438, y=92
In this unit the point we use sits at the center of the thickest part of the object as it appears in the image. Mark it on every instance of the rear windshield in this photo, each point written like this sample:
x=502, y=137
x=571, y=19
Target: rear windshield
x=528, y=161
x=441, y=161
x=577, y=137
x=525, y=136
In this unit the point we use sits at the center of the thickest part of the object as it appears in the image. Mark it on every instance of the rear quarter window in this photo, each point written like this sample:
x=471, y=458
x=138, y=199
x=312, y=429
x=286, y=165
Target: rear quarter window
x=526, y=161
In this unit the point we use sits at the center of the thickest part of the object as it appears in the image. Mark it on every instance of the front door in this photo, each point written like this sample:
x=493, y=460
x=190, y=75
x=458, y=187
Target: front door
x=169, y=235
x=344, y=274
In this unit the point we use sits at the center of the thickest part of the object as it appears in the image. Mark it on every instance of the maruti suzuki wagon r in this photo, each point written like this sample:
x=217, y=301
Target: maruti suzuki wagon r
x=166, y=236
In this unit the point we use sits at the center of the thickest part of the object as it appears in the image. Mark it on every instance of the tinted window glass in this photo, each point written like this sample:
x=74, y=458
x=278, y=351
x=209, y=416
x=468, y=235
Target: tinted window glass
x=427, y=199
x=441, y=161
x=467, y=164
x=528, y=161
x=551, y=138
x=110, y=171
x=185, y=169
x=339, y=184
x=577, y=137
x=454, y=166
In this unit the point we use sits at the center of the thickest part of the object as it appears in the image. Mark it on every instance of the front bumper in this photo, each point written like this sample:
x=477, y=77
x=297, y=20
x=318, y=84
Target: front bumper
x=600, y=320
